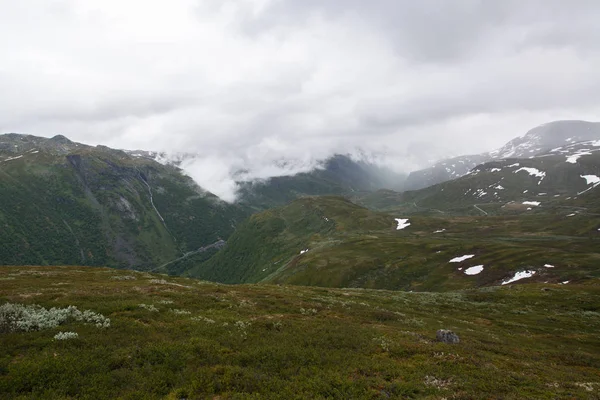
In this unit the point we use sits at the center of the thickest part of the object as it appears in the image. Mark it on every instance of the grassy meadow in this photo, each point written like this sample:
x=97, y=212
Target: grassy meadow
x=180, y=338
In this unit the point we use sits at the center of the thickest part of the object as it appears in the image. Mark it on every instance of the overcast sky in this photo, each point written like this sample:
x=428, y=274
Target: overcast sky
x=249, y=81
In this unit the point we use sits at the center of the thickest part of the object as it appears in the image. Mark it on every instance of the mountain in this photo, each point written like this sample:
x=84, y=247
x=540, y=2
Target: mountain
x=338, y=175
x=331, y=242
x=67, y=203
x=510, y=213
x=443, y=171
x=535, y=142
x=553, y=178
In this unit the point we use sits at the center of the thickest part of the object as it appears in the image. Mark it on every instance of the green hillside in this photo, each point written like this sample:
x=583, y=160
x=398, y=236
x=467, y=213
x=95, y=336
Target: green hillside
x=268, y=240
x=328, y=241
x=179, y=338
x=67, y=203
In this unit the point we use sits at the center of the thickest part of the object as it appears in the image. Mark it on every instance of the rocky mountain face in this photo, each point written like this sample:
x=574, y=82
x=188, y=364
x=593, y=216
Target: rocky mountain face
x=536, y=141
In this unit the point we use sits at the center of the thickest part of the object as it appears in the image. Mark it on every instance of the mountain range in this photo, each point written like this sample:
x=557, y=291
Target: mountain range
x=331, y=283
x=535, y=142
x=65, y=203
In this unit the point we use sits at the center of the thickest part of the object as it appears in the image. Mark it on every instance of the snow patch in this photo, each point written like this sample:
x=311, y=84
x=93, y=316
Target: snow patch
x=303, y=251
x=573, y=159
x=462, y=258
x=591, y=179
x=402, y=223
x=13, y=158
x=474, y=270
x=532, y=203
x=518, y=276
x=548, y=266
x=495, y=169
x=532, y=171
x=440, y=231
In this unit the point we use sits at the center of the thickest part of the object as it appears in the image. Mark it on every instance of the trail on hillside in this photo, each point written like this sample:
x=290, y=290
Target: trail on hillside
x=216, y=245
x=477, y=207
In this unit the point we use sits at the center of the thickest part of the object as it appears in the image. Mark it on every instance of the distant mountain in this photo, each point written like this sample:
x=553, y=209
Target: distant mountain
x=67, y=203
x=536, y=141
x=444, y=171
x=550, y=179
x=338, y=175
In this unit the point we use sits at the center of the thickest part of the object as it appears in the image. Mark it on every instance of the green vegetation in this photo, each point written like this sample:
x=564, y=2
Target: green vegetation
x=63, y=203
x=181, y=338
x=350, y=246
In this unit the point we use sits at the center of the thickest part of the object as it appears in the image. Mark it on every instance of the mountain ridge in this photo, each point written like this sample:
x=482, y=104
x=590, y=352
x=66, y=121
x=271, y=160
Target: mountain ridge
x=534, y=142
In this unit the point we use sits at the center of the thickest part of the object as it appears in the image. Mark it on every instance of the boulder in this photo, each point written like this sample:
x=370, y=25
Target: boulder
x=446, y=336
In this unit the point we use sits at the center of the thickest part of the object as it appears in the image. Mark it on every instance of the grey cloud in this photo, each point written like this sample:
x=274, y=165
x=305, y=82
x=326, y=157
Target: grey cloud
x=444, y=31
x=247, y=83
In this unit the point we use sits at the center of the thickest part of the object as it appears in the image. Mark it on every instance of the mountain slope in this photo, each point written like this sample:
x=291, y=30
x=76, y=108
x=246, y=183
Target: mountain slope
x=537, y=141
x=334, y=243
x=266, y=241
x=545, y=180
x=551, y=178
x=339, y=175
x=67, y=203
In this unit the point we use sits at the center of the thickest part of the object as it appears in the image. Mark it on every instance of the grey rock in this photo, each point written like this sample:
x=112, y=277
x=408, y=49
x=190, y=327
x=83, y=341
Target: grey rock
x=446, y=336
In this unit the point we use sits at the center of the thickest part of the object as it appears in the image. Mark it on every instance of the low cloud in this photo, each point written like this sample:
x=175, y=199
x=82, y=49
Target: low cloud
x=248, y=83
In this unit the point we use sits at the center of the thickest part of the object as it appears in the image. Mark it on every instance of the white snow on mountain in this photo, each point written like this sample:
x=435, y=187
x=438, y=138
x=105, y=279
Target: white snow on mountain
x=591, y=179
x=402, y=223
x=518, y=276
x=532, y=172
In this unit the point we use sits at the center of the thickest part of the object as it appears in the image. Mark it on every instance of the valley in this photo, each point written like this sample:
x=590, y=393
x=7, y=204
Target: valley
x=330, y=283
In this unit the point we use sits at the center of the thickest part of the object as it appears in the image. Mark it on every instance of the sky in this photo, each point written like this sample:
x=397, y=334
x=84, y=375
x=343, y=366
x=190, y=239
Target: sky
x=248, y=83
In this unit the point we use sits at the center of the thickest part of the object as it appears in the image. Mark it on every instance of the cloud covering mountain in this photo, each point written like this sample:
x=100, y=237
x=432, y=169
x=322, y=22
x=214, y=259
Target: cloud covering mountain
x=250, y=82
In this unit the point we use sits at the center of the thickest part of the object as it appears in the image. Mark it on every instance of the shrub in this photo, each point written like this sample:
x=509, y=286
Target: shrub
x=123, y=277
x=149, y=307
x=19, y=317
x=66, y=335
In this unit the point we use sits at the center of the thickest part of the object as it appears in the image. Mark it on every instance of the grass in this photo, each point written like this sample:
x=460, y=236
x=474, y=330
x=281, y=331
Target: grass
x=350, y=246
x=266, y=341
